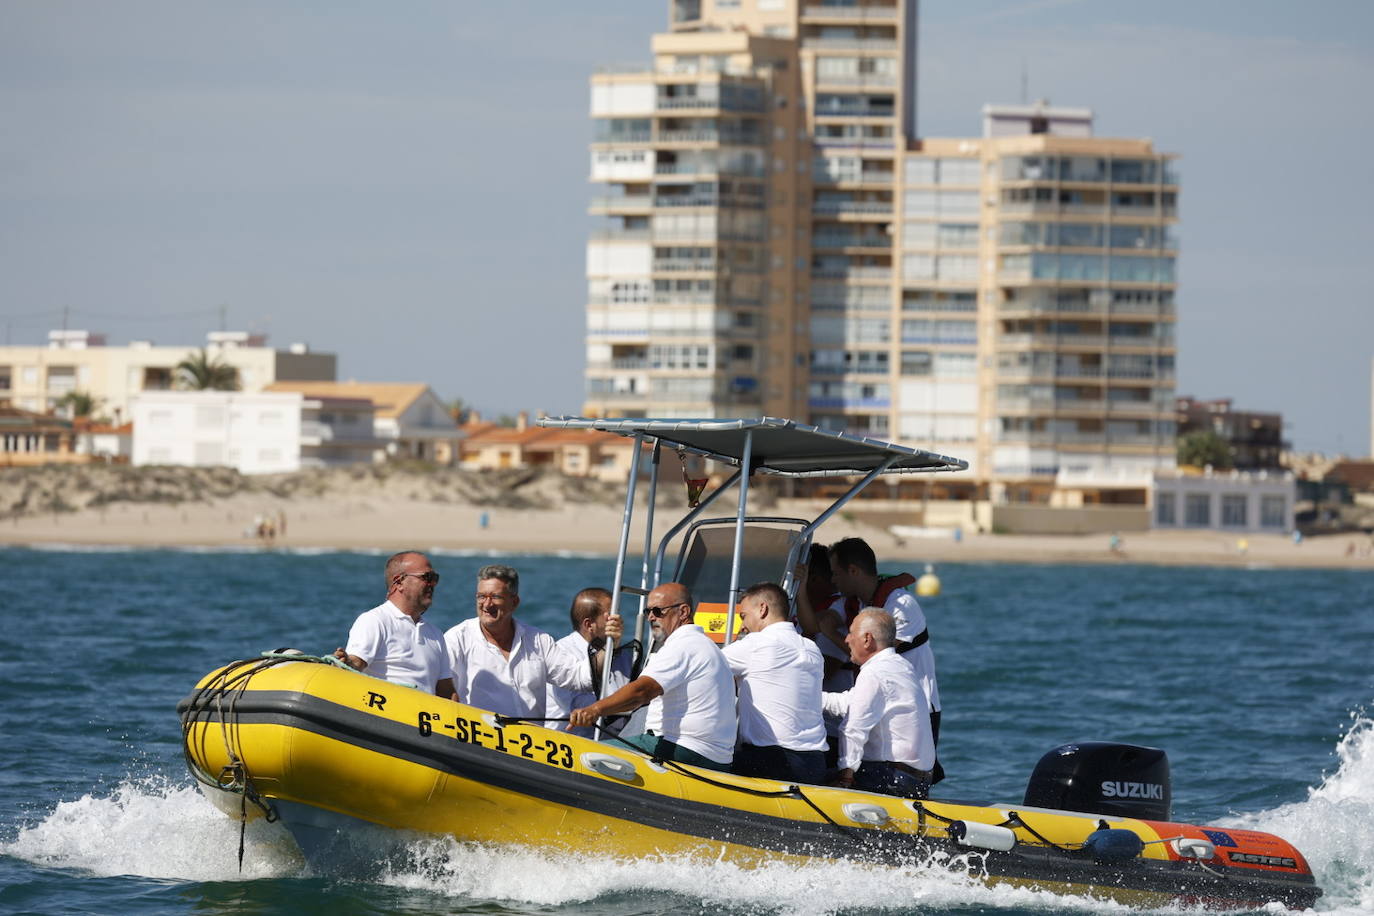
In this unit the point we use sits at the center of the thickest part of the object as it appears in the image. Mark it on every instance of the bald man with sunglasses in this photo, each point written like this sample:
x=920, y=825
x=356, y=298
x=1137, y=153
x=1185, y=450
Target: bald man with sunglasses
x=391, y=641
x=687, y=684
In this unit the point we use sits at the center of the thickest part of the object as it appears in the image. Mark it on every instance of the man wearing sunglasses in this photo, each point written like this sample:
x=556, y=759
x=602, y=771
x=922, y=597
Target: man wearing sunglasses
x=687, y=684
x=391, y=641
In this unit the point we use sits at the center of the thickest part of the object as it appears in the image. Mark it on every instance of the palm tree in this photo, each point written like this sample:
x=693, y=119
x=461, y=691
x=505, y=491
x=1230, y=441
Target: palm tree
x=199, y=372
x=78, y=404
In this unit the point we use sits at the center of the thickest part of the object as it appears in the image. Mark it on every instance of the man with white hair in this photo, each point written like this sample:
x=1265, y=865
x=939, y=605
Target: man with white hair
x=885, y=740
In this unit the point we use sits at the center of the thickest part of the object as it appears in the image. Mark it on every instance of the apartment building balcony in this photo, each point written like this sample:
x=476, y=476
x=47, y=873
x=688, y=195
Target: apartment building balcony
x=1027, y=308
x=852, y=273
x=685, y=298
x=849, y=14
x=626, y=203
x=853, y=111
x=687, y=200
x=1100, y=439
x=1049, y=372
x=829, y=371
x=674, y=265
x=867, y=177
x=620, y=235
x=851, y=240
x=820, y=403
x=641, y=333
x=639, y=137
x=1144, y=309
x=847, y=207
x=707, y=104
x=856, y=81
x=708, y=135
x=862, y=144
x=1091, y=341
x=823, y=43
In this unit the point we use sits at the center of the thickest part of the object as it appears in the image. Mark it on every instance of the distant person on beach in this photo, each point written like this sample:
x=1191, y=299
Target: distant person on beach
x=687, y=684
x=778, y=672
x=505, y=665
x=591, y=609
x=886, y=743
x=854, y=570
x=391, y=641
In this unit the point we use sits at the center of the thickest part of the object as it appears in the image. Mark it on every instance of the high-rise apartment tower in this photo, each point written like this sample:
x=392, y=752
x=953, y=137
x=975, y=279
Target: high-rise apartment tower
x=778, y=241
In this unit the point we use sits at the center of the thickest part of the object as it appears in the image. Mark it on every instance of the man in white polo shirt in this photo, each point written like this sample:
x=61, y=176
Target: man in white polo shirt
x=505, y=665
x=885, y=741
x=687, y=684
x=391, y=641
x=779, y=674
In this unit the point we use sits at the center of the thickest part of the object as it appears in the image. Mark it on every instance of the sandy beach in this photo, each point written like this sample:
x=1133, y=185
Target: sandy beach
x=386, y=521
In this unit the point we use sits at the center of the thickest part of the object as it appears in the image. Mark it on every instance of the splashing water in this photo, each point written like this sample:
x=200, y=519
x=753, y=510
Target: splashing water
x=153, y=829
x=1334, y=827
x=683, y=884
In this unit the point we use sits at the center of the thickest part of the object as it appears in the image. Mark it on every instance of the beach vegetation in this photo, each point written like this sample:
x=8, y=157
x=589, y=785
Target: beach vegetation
x=201, y=372
x=1204, y=447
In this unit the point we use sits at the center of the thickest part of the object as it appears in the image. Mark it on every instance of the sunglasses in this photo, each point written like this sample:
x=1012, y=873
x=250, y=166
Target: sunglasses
x=657, y=612
x=429, y=578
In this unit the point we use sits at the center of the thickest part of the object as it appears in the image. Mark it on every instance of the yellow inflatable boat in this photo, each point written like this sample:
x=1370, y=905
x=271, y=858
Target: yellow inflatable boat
x=334, y=754
x=351, y=764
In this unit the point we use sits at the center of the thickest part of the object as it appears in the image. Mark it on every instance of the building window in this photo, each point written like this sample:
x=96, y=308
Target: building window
x=1166, y=509
x=1197, y=510
x=1233, y=510
x=1273, y=512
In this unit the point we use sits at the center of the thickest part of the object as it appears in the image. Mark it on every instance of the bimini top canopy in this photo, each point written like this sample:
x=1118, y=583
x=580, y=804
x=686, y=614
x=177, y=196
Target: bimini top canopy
x=778, y=446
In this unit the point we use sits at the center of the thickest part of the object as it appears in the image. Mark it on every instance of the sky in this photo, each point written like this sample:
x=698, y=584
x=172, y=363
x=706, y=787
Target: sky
x=405, y=185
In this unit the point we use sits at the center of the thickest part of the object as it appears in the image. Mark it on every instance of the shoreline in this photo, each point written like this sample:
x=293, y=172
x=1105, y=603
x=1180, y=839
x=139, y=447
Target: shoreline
x=382, y=525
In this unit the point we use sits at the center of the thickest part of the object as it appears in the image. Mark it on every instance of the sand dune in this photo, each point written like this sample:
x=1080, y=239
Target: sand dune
x=521, y=511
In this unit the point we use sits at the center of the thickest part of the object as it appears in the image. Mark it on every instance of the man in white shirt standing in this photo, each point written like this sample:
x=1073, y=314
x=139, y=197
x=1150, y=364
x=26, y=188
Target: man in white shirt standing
x=885, y=741
x=779, y=673
x=687, y=684
x=391, y=641
x=591, y=609
x=503, y=664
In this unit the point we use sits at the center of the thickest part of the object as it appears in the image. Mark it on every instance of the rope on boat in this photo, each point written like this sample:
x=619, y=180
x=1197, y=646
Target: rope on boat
x=792, y=791
x=207, y=705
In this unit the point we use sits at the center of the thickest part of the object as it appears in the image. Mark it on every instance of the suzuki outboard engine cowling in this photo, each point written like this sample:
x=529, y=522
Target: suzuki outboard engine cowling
x=1097, y=777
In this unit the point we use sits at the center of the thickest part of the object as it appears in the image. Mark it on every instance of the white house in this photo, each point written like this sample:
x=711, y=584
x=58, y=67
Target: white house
x=1242, y=501
x=410, y=420
x=270, y=432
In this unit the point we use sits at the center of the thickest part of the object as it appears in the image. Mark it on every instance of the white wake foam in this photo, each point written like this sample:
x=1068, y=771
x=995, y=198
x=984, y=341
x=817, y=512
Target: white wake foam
x=1334, y=827
x=155, y=830
x=521, y=876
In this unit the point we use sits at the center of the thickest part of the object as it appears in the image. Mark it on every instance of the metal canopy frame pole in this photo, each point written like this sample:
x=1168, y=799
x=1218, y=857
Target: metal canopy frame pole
x=644, y=570
x=746, y=471
x=626, y=517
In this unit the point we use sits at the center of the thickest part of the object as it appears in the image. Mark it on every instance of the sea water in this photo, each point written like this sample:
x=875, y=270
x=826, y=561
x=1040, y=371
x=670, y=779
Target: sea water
x=1258, y=682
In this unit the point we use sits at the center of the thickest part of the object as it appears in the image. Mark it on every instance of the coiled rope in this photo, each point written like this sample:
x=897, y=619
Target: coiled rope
x=216, y=701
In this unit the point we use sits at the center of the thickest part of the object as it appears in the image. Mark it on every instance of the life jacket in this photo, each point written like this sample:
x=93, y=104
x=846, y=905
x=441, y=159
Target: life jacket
x=886, y=586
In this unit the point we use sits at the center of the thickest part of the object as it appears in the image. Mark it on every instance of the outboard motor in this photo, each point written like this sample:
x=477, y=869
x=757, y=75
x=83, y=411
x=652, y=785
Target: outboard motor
x=1097, y=777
